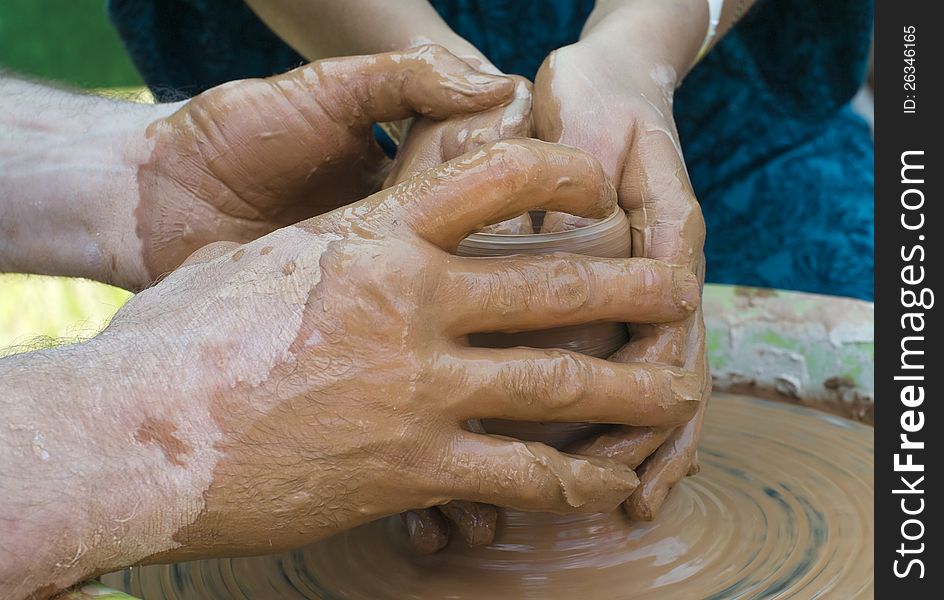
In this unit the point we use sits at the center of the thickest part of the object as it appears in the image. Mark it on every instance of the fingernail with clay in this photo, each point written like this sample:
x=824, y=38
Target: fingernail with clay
x=488, y=80
x=427, y=533
x=474, y=521
x=623, y=482
x=646, y=506
x=689, y=291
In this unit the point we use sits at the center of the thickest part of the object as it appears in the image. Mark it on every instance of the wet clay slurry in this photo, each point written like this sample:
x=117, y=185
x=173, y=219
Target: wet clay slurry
x=781, y=508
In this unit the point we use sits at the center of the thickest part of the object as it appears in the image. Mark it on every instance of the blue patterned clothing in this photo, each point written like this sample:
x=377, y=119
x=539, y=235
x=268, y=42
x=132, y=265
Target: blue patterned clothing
x=781, y=165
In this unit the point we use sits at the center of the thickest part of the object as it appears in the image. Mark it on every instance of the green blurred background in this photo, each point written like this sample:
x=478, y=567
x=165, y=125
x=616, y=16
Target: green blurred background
x=71, y=42
x=65, y=40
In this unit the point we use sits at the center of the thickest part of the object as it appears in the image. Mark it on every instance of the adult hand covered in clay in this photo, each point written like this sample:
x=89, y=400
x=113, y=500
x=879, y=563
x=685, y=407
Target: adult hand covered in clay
x=318, y=377
x=247, y=157
x=613, y=99
x=137, y=188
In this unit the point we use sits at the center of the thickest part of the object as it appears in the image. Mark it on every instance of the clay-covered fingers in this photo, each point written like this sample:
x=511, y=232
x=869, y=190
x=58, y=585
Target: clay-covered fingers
x=532, y=476
x=673, y=461
x=499, y=181
x=430, y=142
x=474, y=521
x=667, y=225
x=429, y=528
x=527, y=384
x=536, y=292
x=623, y=443
x=427, y=80
x=663, y=211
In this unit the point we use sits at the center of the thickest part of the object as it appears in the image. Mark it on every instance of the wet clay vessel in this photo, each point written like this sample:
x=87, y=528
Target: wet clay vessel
x=607, y=238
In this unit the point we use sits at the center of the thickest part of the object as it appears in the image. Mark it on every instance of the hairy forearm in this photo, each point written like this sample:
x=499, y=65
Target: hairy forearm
x=327, y=28
x=672, y=30
x=94, y=475
x=68, y=183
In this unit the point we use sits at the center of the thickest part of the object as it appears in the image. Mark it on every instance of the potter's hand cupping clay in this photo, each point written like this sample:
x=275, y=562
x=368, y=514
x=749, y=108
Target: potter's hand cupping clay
x=335, y=380
x=429, y=143
x=616, y=103
x=246, y=157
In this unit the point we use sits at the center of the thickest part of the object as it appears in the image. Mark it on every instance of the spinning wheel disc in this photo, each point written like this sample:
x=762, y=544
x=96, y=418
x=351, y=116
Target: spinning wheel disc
x=782, y=508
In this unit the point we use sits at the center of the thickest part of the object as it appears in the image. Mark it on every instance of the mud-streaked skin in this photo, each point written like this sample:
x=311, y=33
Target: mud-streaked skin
x=122, y=192
x=611, y=95
x=245, y=158
x=624, y=70
x=783, y=508
x=428, y=143
x=269, y=394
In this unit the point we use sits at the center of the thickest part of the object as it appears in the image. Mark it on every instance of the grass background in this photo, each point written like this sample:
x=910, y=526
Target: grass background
x=70, y=42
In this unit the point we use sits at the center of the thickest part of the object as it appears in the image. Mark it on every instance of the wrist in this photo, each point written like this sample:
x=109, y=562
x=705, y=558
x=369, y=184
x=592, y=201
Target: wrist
x=70, y=192
x=661, y=33
x=318, y=30
x=160, y=435
x=101, y=494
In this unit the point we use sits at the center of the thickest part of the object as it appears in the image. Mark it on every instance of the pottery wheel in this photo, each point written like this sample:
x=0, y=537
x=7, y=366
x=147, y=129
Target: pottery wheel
x=782, y=508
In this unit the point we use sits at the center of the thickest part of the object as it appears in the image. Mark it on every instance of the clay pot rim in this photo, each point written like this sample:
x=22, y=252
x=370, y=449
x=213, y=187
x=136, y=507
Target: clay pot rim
x=554, y=236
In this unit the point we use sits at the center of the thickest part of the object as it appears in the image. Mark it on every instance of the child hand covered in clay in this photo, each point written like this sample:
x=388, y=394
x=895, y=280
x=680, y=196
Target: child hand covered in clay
x=269, y=394
x=582, y=92
x=611, y=95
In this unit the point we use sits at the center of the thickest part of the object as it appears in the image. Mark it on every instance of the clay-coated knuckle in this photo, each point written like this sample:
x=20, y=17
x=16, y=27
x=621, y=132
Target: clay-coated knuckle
x=571, y=285
x=512, y=292
x=697, y=216
x=534, y=492
x=654, y=386
x=345, y=101
x=541, y=486
x=519, y=164
x=697, y=213
x=518, y=125
x=653, y=284
x=430, y=54
x=515, y=119
x=567, y=377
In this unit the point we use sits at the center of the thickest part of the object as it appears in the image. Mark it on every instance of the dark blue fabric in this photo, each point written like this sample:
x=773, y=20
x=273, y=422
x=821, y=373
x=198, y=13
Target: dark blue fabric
x=782, y=167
